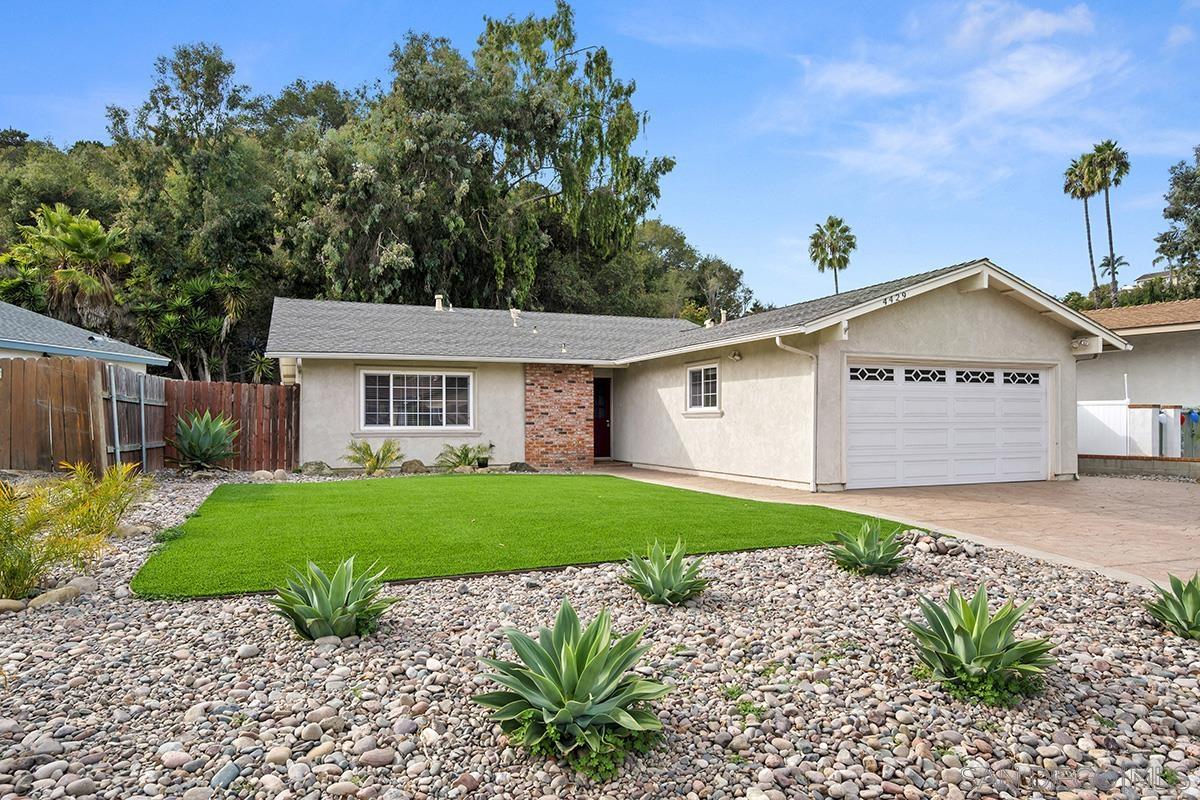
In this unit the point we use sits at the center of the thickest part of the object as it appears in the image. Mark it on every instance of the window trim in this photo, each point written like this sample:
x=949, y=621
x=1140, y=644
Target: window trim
x=688, y=408
x=362, y=427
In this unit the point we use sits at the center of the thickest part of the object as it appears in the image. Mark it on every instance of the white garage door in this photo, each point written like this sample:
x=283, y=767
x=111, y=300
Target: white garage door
x=933, y=425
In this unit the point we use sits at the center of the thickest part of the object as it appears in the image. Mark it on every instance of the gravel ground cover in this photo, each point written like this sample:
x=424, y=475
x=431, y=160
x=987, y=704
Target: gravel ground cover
x=793, y=680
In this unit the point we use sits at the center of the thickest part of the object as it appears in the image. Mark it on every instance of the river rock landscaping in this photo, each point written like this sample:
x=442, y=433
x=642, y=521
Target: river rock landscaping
x=792, y=679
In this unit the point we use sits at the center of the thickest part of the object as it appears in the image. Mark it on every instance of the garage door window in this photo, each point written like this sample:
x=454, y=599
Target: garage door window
x=1022, y=378
x=974, y=376
x=876, y=374
x=925, y=375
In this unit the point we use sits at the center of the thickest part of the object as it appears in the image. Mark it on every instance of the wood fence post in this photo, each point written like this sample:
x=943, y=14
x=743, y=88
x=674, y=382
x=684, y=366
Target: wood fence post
x=112, y=394
x=142, y=413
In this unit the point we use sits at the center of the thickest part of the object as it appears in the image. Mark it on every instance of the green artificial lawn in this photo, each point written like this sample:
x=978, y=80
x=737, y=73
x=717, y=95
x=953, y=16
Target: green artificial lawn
x=245, y=537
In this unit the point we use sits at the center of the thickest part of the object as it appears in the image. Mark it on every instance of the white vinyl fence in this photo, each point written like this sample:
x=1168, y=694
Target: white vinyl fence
x=1120, y=428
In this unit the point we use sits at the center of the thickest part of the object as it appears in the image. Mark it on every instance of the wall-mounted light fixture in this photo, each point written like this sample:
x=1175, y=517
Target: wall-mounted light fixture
x=736, y=355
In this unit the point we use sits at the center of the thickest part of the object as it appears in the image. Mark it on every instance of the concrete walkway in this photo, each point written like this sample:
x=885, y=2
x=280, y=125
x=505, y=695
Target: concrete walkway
x=1135, y=530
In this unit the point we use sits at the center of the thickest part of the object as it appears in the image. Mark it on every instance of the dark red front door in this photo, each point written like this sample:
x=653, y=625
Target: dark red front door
x=602, y=415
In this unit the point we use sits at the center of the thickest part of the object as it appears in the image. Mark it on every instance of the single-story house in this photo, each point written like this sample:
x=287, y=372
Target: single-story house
x=1164, y=366
x=963, y=374
x=28, y=334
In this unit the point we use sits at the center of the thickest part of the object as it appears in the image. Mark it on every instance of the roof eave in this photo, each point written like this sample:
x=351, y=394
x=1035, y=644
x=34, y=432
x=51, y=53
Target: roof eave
x=1169, y=327
x=1065, y=313
x=84, y=352
x=599, y=362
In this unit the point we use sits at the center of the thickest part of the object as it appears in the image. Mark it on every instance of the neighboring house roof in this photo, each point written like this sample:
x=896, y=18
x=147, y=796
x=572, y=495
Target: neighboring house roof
x=1149, y=276
x=22, y=329
x=334, y=329
x=1150, y=318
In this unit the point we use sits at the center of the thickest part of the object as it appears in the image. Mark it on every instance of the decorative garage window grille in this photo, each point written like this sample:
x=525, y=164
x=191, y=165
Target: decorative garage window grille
x=1022, y=378
x=974, y=376
x=872, y=374
x=925, y=375
x=416, y=400
x=702, y=388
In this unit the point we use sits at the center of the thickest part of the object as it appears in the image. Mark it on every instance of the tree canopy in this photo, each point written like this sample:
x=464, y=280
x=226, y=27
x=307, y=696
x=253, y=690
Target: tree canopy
x=507, y=176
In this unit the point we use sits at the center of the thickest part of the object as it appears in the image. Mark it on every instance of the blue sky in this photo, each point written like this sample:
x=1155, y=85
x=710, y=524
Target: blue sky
x=938, y=130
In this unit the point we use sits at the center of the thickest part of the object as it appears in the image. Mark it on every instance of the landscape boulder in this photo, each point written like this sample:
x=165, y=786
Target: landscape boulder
x=463, y=470
x=280, y=474
x=316, y=468
x=64, y=594
x=520, y=466
x=414, y=466
x=10, y=606
x=263, y=476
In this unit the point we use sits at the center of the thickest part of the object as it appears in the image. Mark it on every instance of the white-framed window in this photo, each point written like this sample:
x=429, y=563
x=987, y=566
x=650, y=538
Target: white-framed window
x=420, y=399
x=703, y=393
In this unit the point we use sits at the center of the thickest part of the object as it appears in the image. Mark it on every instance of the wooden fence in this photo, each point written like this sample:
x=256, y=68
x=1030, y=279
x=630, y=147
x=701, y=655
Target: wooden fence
x=134, y=410
x=74, y=409
x=50, y=411
x=267, y=417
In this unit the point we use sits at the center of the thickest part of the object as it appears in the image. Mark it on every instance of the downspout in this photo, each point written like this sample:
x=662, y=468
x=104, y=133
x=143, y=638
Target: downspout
x=812, y=481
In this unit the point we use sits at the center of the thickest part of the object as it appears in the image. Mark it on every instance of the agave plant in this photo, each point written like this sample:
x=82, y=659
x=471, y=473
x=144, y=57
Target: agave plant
x=204, y=441
x=344, y=605
x=572, y=696
x=373, y=461
x=662, y=578
x=1178, y=608
x=963, y=643
x=464, y=455
x=869, y=551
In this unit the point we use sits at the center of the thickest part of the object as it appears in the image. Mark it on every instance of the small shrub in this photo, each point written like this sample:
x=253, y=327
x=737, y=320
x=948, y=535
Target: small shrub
x=60, y=522
x=974, y=654
x=204, y=441
x=1178, y=608
x=373, y=462
x=464, y=455
x=664, y=579
x=344, y=605
x=869, y=551
x=573, y=697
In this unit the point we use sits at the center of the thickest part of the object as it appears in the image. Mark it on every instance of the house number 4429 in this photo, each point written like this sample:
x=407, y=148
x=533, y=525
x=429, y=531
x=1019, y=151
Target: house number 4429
x=894, y=298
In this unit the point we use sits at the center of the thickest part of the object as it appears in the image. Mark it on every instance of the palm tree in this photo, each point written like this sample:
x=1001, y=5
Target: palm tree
x=1112, y=165
x=80, y=260
x=830, y=245
x=1109, y=266
x=1079, y=183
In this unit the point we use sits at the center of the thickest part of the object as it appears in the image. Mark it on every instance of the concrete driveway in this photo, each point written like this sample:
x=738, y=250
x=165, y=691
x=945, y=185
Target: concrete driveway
x=1136, y=530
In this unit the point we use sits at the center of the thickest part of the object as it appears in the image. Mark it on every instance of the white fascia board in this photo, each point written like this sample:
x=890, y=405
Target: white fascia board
x=436, y=358
x=712, y=345
x=996, y=276
x=84, y=352
x=1181, y=327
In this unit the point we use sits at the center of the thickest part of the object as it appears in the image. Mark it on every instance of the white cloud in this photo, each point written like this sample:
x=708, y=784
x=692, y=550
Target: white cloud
x=1178, y=36
x=999, y=24
x=924, y=106
x=1029, y=77
x=857, y=78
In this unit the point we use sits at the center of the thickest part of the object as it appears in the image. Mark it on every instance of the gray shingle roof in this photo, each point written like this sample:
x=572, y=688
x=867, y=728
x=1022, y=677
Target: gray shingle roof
x=323, y=326
x=300, y=327
x=22, y=329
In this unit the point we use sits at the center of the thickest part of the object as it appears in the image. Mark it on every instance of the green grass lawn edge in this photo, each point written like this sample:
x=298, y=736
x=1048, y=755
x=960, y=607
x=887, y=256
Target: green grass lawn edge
x=245, y=537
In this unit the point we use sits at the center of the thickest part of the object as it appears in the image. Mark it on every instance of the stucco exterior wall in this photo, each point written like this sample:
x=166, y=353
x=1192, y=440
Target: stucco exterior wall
x=762, y=430
x=1163, y=368
x=329, y=412
x=980, y=327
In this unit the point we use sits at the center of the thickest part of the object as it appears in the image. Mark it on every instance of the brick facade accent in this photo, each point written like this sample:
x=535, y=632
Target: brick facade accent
x=558, y=415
